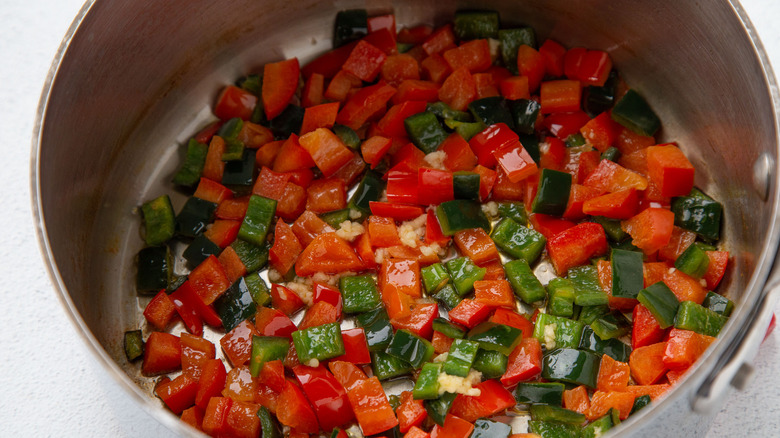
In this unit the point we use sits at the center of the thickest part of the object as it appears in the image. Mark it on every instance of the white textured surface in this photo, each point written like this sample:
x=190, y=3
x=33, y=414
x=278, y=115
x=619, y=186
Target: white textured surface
x=50, y=384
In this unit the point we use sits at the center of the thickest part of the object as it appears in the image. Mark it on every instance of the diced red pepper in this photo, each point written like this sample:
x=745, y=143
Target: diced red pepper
x=355, y=347
x=402, y=187
x=235, y=102
x=525, y=362
x=365, y=61
x=178, y=394
x=719, y=260
x=382, y=232
x=308, y=226
x=487, y=179
x=588, y=162
x=679, y=241
x=214, y=166
x=329, y=63
x=651, y=229
x=603, y=401
x=215, y=416
x=684, y=347
x=434, y=186
x=372, y=409
x=515, y=161
x=492, y=139
x=469, y=313
x=454, y=427
x=327, y=396
x=549, y=226
x=392, y=124
x=211, y=191
x=400, y=212
x=459, y=153
x=613, y=375
x=234, y=209
x=398, y=275
x=441, y=343
x=209, y=280
x=618, y=205
x=572, y=61
x=326, y=149
x=204, y=135
x=350, y=171
x=553, y=154
x=374, y=148
x=513, y=319
x=670, y=170
x=293, y=202
x=433, y=232
x=477, y=245
x=578, y=195
x=160, y=310
x=239, y=385
x=313, y=90
x=515, y=87
x=223, y=232
x=327, y=253
x=494, y=293
x=341, y=85
x=486, y=85
x=435, y=68
x=473, y=55
x=645, y=329
x=319, y=116
x=458, y=90
x=560, y=96
x=412, y=89
x=270, y=184
x=364, y=104
x=237, y=344
x=601, y=131
x=297, y=412
x=399, y=68
x=324, y=195
x=493, y=399
x=347, y=373
x=647, y=364
x=254, y=136
x=612, y=177
x=195, y=352
x=564, y=124
x=183, y=300
x=604, y=268
x=411, y=413
x=420, y=321
x=440, y=40
x=595, y=67
x=383, y=40
x=531, y=64
x=552, y=54
x=162, y=354
x=414, y=35
x=285, y=300
x=194, y=417
x=280, y=80
x=242, y=420
x=292, y=156
x=685, y=287
x=318, y=314
x=576, y=246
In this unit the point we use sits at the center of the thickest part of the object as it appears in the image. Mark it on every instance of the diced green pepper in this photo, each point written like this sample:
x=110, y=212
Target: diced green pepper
x=240, y=172
x=335, y=218
x=590, y=299
x=561, y=293
x=531, y=145
x=492, y=364
x=518, y=241
x=461, y=214
x=598, y=427
x=231, y=128
x=661, y=302
x=200, y=249
x=351, y=25
x=288, y=122
x=447, y=328
x=320, y=342
x=443, y=111
x=268, y=425
x=465, y=129
x=511, y=40
x=718, y=304
x=434, y=277
x=258, y=289
x=266, y=349
x=627, y=273
x=194, y=216
x=552, y=195
x=611, y=154
x=257, y=222
x=699, y=213
x=252, y=83
x=158, y=220
x=492, y=110
x=548, y=393
x=566, y=333
x=553, y=429
x=472, y=25
x=466, y=185
x=437, y=409
x=554, y=413
x=692, y=316
x=513, y=210
x=460, y=357
x=596, y=100
x=639, y=403
x=571, y=366
x=359, y=294
x=377, y=327
x=192, y=167
x=252, y=256
x=154, y=269
x=612, y=325
x=613, y=348
x=448, y=296
x=495, y=337
x=633, y=112
x=410, y=348
x=134, y=345
x=234, y=149
x=523, y=281
x=235, y=305
x=693, y=261
x=386, y=366
x=575, y=141
x=612, y=228
x=425, y=131
x=369, y=189
x=427, y=385
x=588, y=314
x=524, y=113
x=464, y=273
x=347, y=135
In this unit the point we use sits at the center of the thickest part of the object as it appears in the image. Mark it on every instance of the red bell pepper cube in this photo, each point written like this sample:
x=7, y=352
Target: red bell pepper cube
x=487, y=179
x=572, y=61
x=458, y=90
x=454, y=427
x=280, y=81
x=560, y=96
x=576, y=399
x=319, y=116
x=411, y=413
x=400, y=212
x=324, y=195
x=371, y=407
x=392, y=124
x=588, y=162
x=515, y=161
x=651, y=229
x=308, y=226
x=515, y=87
x=195, y=352
x=670, y=170
x=492, y=139
x=602, y=402
x=351, y=170
x=364, y=104
x=684, y=347
x=211, y=383
x=647, y=363
x=297, y=412
x=685, y=287
x=414, y=35
x=374, y=148
x=215, y=416
x=355, y=347
x=270, y=184
x=162, y=354
x=159, y=311
x=329, y=63
x=328, y=294
x=397, y=304
x=524, y=363
x=564, y=124
x=235, y=102
x=402, y=187
x=326, y=149
x=254, y=136
x=194, y=417
x=365, y=61
x=318, y=314
x=477, y=245
x=347, y=373
x=237, y=344
x=645, y=329
x=416, y=432
x=417, y=90
x=578, y=195
x=459, y=153
x=408, y=158
x=486, y=85
x=553, y=156
x=211, y=191
x=285, y=300
x=378, y=22
x=618, y=205
x=494, y=271
x=313, y=90
x=595, y=67
x=493, y=399
x=469, y=313
x=576, y=246
x=441, y=343
x=549, y=226
x=601, y=131
x=382, y=232
x=552, y=54
x=433, y=232
x=398, y=275
x=719, y=260
x=223, y=232
x=209, y=280
x=420, y=321
x=506, y=190
x=612, y=177
x=214, y=167
x=531, y=64
x=327, y=253
x=365, y=252
x=326, y=395
x=341, y=85
x=474, y=55
x=286, y=248
x=613, y=375
x=435, y=68
x=679, y=241
x=234, y=209
x=182, y=299
x=270, y=384
x=513, y=319
x=242, y=420
x=434, y=186
x=383, y=40
x=204, y=135
x=494, y=293
x=440, y=40
x=399, y=68
x=178, y=394
x=293, y=202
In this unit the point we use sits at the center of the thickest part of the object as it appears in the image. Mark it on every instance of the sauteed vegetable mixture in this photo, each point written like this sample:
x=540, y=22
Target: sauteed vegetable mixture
x=467, y=233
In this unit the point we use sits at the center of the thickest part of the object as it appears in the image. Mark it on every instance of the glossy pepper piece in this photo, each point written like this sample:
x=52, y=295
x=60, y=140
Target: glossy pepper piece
x=523, y=281
x=235, y=305
x=266, y=349
x=458, y=215
x=548, y=393
x=410, y=348
x=379, y=331
x=464, y=273
x=359, y=294
x=633, y=112
x=661, y=302
x=572, y=366
x=495, y=337
x=699, y=213
x=540, y=412
x=321, y=342
x=613, y=348
x=427, y=385
x=386, y=366
x=557, y=332
x=326, y=395
x=159, y=222
x=553, y=192
x=492, y=364
x=627, y=273
x=460, y=358
x=694, y=317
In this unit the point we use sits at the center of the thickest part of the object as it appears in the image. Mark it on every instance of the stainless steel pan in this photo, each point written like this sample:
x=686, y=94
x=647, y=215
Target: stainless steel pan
x=134, y=79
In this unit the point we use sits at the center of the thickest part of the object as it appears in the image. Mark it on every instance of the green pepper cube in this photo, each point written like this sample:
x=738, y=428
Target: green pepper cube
x=612, y=325
x=557, y=332
x=472, y=25
x=561, y=293
x=425, y=131
x=434, y=277
x=492, y=364
x=231, y=128
x=613, y=348
x=589, y=314
x=359, y=294
x=571, y=366
x=611, y=154
x=427, y=385
x=442, y=110
x=347, y=135
x=320, y=342
x=335, y=218
x=718, y=304
x=268, y=424
x=235, y=305
x=199, y=250
x=410, y=348
x=466, y=185
x=460, y=357
x=387, y=366
x=511, y=40
x=259, y=291
x=252, y=256
x=633, y=112
x=448, y=329
x=351, y=25
x=369, y=189
x=596, y=100
x=288, y=122
x=549, y=393
x=448, y=296
x=513, y=210
x=584, y=279
x=524, y=112
x=461, y=214
x=266, y=349
x=612, y=228
x=553, y=429
x=552, y=196
x=464, y=273
x=465, y=129
x=517, y=240
x=577, y=140
x=490, y=429
x=694, y=261
x=591, y=299
x=154, y=269
x=192, y=167
x=234, y=150
x=639, y=403
x=158, y=220
x=377, y=327
x=257, y=221
x=496, y=337
x=134, y=345
x=437, y=409
x=598, y=427
x=531, y=145
x=523, y=281
x=661, y=302
x=194, y=216
x=492, y=110
x=627, y=273
x=240, y=172
x=694, y=317
x=554, y=413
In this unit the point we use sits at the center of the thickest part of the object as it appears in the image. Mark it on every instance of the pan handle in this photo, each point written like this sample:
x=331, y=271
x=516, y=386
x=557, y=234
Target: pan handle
x=737, y=371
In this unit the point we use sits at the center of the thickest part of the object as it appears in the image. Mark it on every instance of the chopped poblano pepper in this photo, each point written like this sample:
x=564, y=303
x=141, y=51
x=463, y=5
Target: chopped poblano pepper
x=490, y=363
x=448, y=329
x=460, y=357
x=437, y=409
x=268, y=425
x=359, y=294
x=377, y=327
x=557, y=332
x=159, y=222
x=427, y=385
x=252, y=256
x=718, y=304
x=571, y=366
x=613, y=348
x=234, y=150
x=639, y=403
x=369, y=189
x=461, y=214
x=240, y=172
x=261, y=295
x=518, y=241
x=598, y=427
x=194, y=216
x=257, y=221
x=612, y=325
x=561, y=297
x=524, y=113
x=347, y=135
x=554, y=413
x=154, y=269
x=434, y=277
x=661, y=302
x=694, y=261
x=464, y=273
x=465, y=129
x=692, y=316
x=627, y=273
x=288, y=122
x=448, y=296
x=425, y=131
x=511, y=40
x=633, y=112
x=611, y=228
x=351, y=25
x=443, y=111
x=553, y=429
x=513, y=210
x=496, y=337
x=548, y=393
x=596, y=100
x=410, y=348
x=588, y=314
x=320, y=342
x=134, y=345
x=523, y=281
x=472, y=25
x=192, y=167
x=552, y=195
x=466, y=185
x=492, y=110
x=235, y=305
x=335, y=218
x=386, y=366
x=200, y=249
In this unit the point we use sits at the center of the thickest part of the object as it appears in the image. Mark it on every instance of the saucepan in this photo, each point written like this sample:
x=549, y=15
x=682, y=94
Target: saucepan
x=133, y=79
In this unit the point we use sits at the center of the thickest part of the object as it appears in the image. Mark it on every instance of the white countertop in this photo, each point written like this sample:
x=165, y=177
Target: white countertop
x=51, y=385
